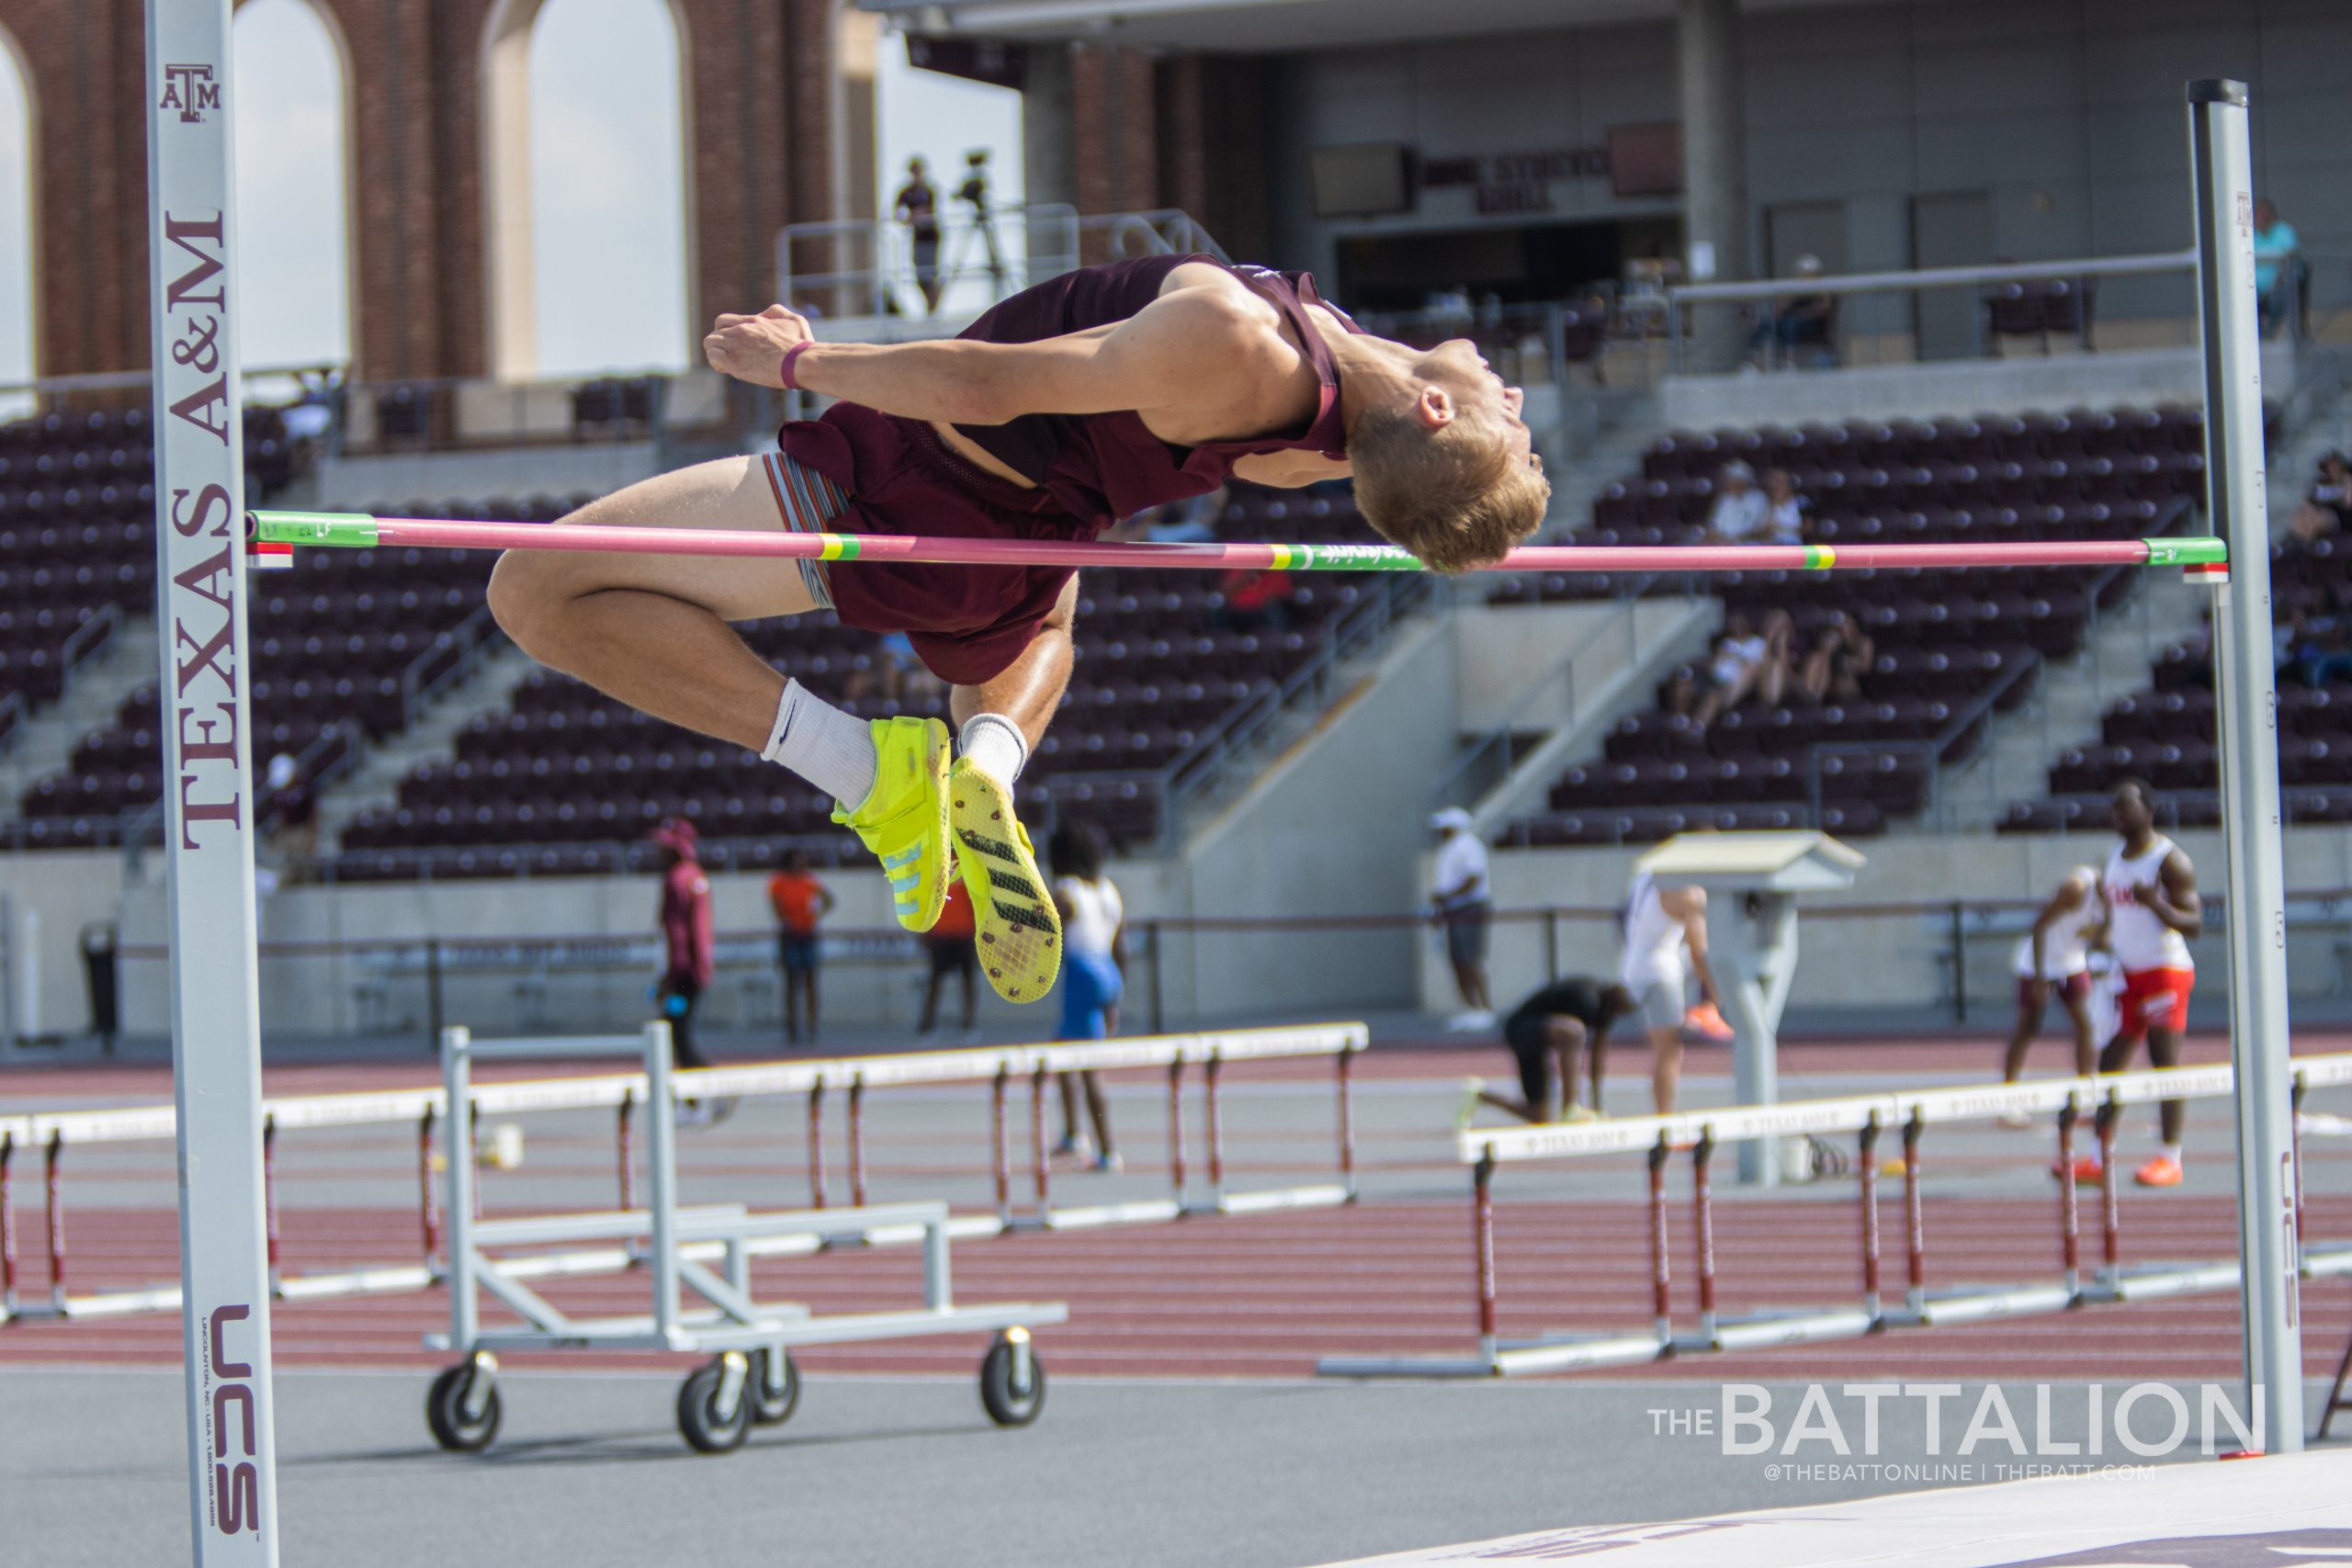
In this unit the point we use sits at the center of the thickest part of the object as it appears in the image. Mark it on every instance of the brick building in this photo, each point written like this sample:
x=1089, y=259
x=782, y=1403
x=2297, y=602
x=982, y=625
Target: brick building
x=778, y=100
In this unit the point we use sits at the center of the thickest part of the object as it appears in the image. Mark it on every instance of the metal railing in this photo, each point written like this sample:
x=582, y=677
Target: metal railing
x=1680, y=298
x=1502, y=747
x=865, y=268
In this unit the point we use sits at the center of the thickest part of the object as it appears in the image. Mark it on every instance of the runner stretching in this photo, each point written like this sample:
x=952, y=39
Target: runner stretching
x=2055, y=955
x=1067, y=407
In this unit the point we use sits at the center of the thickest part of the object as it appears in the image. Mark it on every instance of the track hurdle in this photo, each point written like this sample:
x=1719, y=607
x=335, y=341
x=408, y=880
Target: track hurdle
x=624, y=1096
x=1865, y=1117
x=749, y=1379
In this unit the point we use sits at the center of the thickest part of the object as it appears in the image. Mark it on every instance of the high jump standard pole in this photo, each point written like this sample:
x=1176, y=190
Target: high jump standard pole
x=2269, y=1252
x=209, y=801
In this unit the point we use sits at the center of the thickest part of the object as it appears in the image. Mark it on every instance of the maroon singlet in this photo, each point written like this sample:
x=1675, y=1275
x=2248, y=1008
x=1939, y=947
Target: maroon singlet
x=969, y=622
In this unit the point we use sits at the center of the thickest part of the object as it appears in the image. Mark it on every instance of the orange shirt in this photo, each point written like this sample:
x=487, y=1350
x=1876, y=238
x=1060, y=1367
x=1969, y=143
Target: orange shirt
x=796, y=898
x=955, y=915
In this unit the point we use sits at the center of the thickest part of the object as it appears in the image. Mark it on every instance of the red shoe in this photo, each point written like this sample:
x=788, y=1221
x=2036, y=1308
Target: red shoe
x=1705, y=1020
x=2085, y=1171
x=2162, y=1171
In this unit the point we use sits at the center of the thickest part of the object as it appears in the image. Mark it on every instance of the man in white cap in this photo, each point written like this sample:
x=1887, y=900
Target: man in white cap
x=1741, y=511
x=1460, y=905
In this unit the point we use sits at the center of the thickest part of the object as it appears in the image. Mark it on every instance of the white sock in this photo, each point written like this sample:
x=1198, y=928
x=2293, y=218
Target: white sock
x=830, y=748
x=995, y=745
x=2172, y=1153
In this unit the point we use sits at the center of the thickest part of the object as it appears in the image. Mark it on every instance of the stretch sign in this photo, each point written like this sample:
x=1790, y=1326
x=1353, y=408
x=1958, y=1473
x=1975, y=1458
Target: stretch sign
x=207, y=795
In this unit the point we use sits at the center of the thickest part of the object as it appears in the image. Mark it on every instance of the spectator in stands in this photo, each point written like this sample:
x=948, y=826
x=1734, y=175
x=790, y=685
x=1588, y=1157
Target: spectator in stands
x=894, y=672
x=1784, y=509
x=1255, y=601
x=948, y=946
x=2329, y=505
x=295, y=811
x=1191, y=521
x=1564, y=1021
x=1462, y=907
x=2316, y=650
x=1833, y=669
x=2278, y=267
x=917, y=206
x=1797, y=329
x=799, y=901
x=1094, y=957
x=686, y=944
x=1741, y=511
x=1731, y=672
x=1779, y=663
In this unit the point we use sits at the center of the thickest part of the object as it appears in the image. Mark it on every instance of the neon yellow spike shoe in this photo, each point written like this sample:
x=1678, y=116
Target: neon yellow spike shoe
x=1019, y=931
x=904, y=819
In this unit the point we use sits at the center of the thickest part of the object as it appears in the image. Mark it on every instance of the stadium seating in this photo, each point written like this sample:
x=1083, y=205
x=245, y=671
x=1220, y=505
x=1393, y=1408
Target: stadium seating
x=566, y=781
x=2165, y=734
x=1948, y=651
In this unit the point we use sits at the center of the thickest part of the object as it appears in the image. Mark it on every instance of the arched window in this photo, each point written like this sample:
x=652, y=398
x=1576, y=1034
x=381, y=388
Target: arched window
x=588, y=188
x=293, y=189
x=943, y=120
x=17, y=234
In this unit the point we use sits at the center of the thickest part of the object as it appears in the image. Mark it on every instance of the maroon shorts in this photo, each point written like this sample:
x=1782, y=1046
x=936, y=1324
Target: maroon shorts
x=966, y=623
x=2076, y=986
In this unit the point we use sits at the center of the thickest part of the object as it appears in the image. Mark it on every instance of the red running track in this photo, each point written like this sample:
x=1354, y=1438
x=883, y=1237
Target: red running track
x=1267, y=1296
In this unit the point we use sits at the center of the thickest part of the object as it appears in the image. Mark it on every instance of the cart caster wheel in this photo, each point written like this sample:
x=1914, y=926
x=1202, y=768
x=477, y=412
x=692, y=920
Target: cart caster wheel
x=723, y=1381
x=463, y=1407
x=773, y=1408
x=1012, y=1380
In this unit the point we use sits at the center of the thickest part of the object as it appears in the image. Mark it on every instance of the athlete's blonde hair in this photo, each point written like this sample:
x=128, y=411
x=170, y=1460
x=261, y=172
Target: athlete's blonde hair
x=1455, y=496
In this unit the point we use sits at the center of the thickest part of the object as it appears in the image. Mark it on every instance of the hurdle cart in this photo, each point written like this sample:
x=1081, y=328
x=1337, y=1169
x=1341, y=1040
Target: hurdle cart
x=750, y=1379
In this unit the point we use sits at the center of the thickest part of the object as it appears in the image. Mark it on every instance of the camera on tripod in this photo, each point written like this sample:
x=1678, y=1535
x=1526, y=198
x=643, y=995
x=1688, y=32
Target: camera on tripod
x=975, y=189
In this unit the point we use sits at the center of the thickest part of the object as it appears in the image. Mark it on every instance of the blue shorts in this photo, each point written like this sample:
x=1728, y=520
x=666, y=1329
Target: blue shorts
x=1091, y=987
x=796, y=953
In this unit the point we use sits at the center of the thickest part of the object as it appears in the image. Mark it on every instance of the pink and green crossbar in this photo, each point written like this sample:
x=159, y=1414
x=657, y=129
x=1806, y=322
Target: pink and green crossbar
x=359, y=530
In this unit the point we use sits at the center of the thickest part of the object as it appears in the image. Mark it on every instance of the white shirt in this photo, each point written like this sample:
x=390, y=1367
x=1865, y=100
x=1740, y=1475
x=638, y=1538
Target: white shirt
x=1736, y=656
x=1461, y=857
x=1096, y=913
x=1737, y=517
x=2139, y=940
x=1785, y=522
x=2065, y=946
x=1653, y=939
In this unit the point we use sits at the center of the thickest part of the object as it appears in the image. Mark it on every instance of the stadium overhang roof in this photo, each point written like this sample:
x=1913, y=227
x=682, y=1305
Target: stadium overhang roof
x=1266, y=26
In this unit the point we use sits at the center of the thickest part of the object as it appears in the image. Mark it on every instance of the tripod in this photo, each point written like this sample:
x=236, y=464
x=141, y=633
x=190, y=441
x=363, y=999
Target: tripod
x=983, y=227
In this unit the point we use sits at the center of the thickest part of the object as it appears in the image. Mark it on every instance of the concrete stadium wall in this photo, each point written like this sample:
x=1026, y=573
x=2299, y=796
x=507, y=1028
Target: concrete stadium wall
x=2068, y=113
x=1899, y=963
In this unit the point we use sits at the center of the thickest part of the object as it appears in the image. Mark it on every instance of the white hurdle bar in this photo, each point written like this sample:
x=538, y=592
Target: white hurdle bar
x=677, y=1242
x=1906, y=1114
x=426, y=1108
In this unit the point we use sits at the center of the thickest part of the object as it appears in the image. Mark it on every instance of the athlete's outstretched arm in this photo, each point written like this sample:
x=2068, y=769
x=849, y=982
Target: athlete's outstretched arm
x=1184, y=349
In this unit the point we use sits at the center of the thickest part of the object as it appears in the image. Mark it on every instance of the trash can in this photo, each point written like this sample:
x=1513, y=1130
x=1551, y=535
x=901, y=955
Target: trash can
x=106, y=990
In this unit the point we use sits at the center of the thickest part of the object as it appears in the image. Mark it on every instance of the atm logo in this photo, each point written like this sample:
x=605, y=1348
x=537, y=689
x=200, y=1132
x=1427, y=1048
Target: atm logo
x=191, y=90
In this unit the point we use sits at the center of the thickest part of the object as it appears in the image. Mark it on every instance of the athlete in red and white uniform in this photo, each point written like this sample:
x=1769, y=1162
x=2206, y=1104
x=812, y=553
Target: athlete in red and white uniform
x=2150, y=889
x=2055, y=955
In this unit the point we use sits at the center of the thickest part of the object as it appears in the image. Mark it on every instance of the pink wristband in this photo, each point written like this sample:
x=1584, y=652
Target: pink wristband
x=792, y=382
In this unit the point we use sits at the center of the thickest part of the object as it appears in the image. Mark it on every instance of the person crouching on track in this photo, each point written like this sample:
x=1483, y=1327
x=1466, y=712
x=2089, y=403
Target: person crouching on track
x=1565, y=1020
x=2055, y=955
x=1094, y=963
x=2153, y=909
x=1089, y=397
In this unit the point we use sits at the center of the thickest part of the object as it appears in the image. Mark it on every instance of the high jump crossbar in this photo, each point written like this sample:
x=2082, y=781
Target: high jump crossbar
x=46, y=1135
x=357, y=530
x=1902, y=1115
